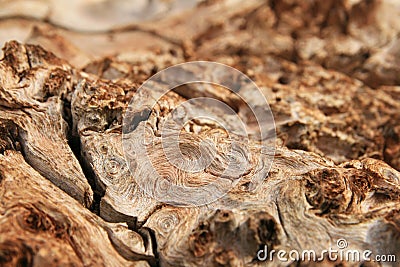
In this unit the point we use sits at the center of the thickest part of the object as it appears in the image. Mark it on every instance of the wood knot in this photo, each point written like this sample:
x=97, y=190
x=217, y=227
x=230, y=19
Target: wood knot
x=262, y=228
x=200, y=241
x=112, y=167
x=168, y=222
x=35, y=220
x=13, y=253
x=325, y=190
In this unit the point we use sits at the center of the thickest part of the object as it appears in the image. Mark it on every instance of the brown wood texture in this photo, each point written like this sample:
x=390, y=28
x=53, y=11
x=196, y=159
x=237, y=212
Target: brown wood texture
x=329, y=70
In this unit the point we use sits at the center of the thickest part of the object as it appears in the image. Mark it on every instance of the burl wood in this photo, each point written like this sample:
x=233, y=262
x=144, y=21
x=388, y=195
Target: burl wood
x=67, y=197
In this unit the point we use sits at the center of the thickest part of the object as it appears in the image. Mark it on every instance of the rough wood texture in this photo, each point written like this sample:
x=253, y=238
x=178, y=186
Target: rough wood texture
x=42, y=226
x=33, y=85
x=329, y=70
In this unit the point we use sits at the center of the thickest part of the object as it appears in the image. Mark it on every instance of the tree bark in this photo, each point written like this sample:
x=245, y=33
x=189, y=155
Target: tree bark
x=69, y=198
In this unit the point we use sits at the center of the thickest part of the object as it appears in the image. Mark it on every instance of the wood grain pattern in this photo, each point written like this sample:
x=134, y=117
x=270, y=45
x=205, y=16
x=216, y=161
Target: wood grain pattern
x=329, y=70
x=42, y=226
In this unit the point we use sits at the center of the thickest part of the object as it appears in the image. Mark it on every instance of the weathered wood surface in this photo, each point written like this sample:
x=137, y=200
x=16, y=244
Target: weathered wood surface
x=34, y=84
x=331, y=79
x=42, y=226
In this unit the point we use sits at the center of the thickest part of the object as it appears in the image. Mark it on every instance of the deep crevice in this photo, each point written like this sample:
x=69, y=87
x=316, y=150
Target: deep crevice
x=153, y=238
x=74, y=143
